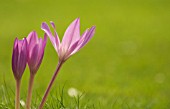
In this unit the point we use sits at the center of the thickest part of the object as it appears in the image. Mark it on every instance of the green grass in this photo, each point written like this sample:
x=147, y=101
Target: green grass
x=126, y=64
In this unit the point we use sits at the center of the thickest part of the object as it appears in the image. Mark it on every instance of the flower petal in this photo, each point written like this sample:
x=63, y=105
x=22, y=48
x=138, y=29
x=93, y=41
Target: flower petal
x=32, y=40
x=15, y=57
x=57, y=40
x=89, y=35
x=54, y=40
x=72, y=34
x=22, y=58
x=71, y=49
x=33, y=59
x=75, y=47
x=42, y=44
x=86, y=36
x=45, y=40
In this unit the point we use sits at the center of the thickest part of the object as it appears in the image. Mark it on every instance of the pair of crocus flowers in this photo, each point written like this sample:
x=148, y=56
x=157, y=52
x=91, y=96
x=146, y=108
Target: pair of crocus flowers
x=31, y=50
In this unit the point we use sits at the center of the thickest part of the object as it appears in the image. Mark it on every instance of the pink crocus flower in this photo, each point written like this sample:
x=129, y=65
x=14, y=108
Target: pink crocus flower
x=71, y=43
x=36, y=47
x=19, y=57
x=19, y=61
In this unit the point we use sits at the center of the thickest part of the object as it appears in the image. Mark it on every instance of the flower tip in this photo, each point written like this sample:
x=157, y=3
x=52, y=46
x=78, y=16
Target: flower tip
x=16, y=39
x=15, y=42
x=94, y=27
x=32, y=37
x=33, y=32
x=43, y=25
x=78, y=19
x=52, y=24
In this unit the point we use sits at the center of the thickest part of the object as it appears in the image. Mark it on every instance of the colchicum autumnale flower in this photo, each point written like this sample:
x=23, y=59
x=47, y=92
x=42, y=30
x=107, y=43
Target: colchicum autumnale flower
x=19, y=60
x=36, y=47
x=71, y=43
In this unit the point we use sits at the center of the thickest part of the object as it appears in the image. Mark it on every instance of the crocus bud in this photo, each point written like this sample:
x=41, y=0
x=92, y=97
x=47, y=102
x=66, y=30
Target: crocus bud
x=36, y=48
x=19, y=58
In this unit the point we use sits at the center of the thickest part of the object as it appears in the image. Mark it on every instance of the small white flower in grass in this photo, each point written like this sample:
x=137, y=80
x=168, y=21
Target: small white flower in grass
x=73, y=92
x=22, y=103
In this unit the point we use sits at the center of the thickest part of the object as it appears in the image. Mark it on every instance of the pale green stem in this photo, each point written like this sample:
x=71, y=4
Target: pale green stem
x=29, y=95
x=17, y=94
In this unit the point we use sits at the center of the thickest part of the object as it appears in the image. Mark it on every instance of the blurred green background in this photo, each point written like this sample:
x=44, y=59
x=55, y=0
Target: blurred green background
x=125, y=65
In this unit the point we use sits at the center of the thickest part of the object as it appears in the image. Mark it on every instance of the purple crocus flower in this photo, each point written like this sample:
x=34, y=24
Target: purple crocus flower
x=19, y=60
x=71, y=42
x=36, y=48
x=19, y=57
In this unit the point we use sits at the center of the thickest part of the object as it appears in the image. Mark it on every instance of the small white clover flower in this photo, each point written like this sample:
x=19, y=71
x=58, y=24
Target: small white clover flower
x=73, y=92
x=22, y=103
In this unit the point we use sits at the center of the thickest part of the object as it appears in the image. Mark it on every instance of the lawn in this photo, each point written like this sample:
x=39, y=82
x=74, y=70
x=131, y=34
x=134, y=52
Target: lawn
x=126, y=65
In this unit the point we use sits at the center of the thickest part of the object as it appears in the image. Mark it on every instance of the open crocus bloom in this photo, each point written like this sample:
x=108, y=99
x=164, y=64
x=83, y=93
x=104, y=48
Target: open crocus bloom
x=19, y=58
x=71, y=42
x=36, y=48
